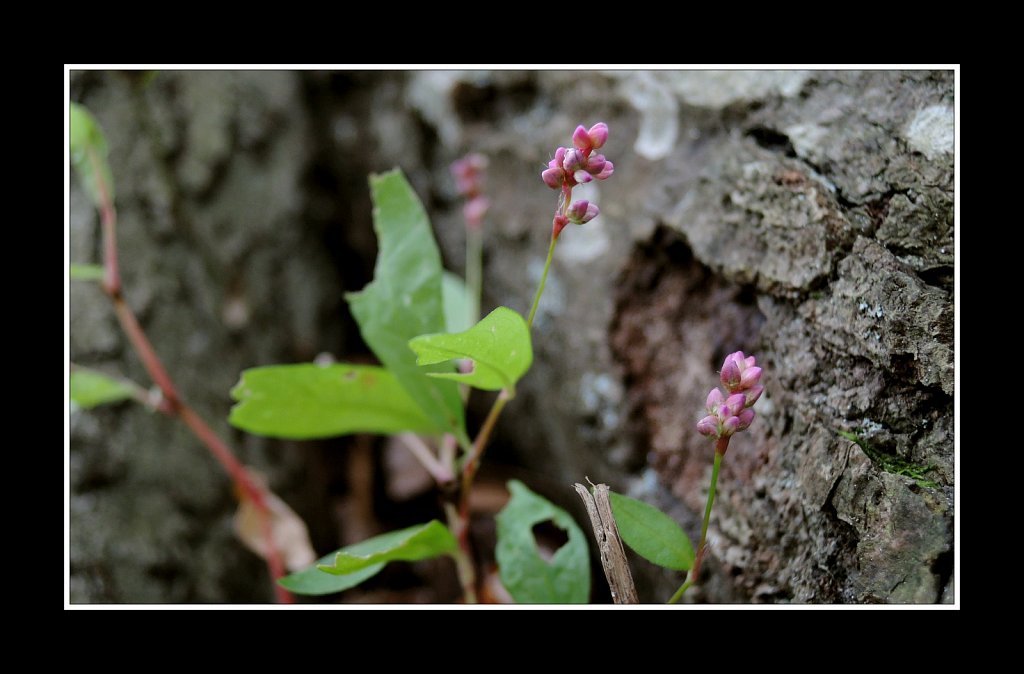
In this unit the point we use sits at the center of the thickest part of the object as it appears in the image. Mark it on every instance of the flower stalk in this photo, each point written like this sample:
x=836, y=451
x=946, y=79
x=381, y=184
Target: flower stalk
x=726, y=415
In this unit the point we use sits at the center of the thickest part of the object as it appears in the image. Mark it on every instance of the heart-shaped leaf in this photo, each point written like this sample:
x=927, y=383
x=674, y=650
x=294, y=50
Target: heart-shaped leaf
x=499, y=347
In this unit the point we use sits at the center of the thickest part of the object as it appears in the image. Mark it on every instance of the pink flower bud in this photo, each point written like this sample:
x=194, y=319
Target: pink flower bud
x=715, y=399
x=730, y=426
x=753, y=393
x=559, y=157
x=582, y=212
x=469, y=174
x=606, y=171
x=745, y=418
x=730, y=375
x=750, y=376
x=582, y=176
x=735, y=403
x=596, y=163
x=598, y=135
x=573, y=160
x=474, y=211
x=708, y=426
x=553, y=178
x=581, y=139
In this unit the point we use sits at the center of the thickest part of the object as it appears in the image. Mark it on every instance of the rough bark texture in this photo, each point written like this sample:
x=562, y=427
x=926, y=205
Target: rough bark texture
x=804, y=217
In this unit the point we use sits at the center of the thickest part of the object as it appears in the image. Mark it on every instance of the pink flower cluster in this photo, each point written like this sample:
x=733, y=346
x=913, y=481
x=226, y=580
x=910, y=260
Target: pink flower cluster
x=741, y=379
x=469, y=173
x=576, y=165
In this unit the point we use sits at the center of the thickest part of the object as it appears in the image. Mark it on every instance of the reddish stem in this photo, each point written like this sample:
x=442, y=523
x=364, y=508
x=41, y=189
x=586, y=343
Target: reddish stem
x=173, y=404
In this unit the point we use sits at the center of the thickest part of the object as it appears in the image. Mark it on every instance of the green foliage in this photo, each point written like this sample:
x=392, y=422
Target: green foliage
x=354, y=564
x=524, y=573
x=891, y=464
x=315, y=582
x=89, y=155
x=422, y=541
x=651, y=533
x=457, y=303
x=313, y=401
x=86, y=272
x=499, y=347
x=404, y=299
x=89, y=389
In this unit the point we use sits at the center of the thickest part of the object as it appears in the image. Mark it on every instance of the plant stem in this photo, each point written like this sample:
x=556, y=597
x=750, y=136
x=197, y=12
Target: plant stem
x=543, y=280
x=467, y=573
x=172, y=403
x=470, y=466
x=720, y=447
x=440, y=471
x=464, y=556
x=474, y=271
x=472, y=463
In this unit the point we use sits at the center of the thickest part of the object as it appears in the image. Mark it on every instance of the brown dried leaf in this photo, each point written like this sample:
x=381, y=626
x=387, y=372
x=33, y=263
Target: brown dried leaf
x=291, y=537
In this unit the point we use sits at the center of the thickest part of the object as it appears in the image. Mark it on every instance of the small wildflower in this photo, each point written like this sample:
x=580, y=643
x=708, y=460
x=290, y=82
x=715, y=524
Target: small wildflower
x=574, y=166
x=582, y=212
x=469, y=173
x=726, y=415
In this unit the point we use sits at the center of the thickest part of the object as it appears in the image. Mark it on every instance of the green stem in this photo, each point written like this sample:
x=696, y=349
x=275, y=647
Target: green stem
x=459, y=521
x=723, y=444
x=472, y=462
x=463, y=555
x=543, y=280
x=474, y=271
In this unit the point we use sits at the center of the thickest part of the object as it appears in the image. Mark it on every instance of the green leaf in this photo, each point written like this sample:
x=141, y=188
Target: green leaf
x=499, y=347
x=317, y=401
x=422, y=541
x=353, y=564
x=86, y=272
x=651, y=533
x=457, y=303
x=89, y=155
x=89, y=389
x=314, y=581
x=404, y=299
x=524, y=573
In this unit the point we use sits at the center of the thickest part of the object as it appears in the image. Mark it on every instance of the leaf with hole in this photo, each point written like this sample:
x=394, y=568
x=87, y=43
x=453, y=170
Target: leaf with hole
x=404, y=299
x=527, y=576
x=86, y=272
x=306, y=401
x=89, y=155
x=499, y=347
x=90, y=389
x=423, y=541
x=651, y=533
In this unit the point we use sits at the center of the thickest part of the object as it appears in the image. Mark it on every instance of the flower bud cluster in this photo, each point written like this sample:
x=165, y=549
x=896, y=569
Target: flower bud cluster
x=731, y=411
x=574, y=166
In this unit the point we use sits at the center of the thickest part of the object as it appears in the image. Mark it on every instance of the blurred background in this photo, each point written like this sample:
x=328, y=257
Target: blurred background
x=805, y=217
